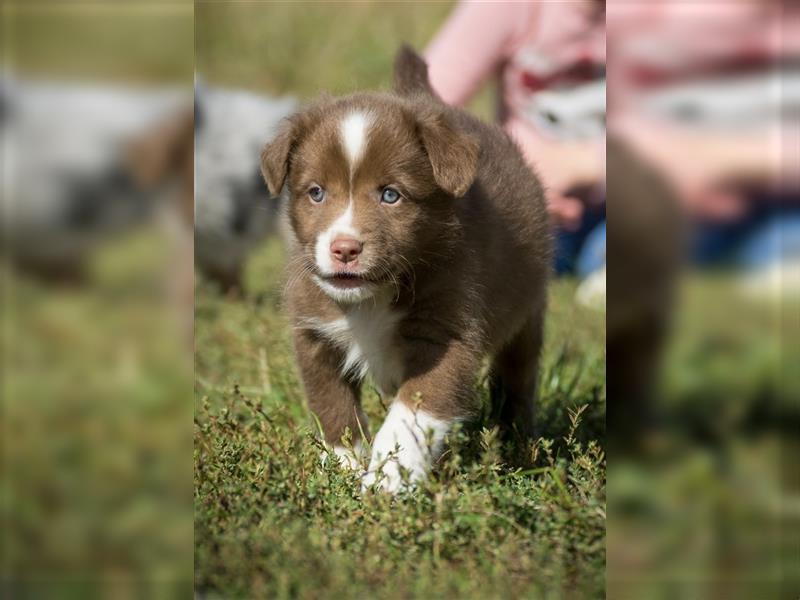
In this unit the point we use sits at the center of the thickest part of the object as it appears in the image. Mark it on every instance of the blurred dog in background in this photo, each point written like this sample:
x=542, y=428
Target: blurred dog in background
x=85, y=164
x=232, y=213
x=73, y=178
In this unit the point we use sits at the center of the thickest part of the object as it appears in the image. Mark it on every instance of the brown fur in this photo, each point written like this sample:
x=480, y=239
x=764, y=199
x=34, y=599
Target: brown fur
x=644, y=262
x=165, y=152
x=465, y=255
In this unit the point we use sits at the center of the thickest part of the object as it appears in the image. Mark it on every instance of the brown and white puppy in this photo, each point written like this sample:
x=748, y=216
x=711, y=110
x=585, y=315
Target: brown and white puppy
x=421, y=245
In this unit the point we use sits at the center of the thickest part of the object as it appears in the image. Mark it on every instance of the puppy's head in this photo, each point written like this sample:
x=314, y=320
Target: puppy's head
x=372, y=180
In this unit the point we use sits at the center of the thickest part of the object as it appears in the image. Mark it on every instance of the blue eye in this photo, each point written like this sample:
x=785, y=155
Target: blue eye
x=390, y=195
x=316, y=193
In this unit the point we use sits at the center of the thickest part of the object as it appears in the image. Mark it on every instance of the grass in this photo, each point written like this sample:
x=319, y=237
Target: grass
x=710, y=510
x=96, y=431
x=111, y=41
x=272, y=521
x=302, y=49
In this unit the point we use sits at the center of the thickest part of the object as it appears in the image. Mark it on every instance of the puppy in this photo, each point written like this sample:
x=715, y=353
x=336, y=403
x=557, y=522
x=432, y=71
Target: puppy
x=421, y=245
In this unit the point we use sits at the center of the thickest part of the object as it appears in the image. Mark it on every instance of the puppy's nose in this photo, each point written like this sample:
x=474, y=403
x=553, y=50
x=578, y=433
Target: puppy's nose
x=345, y=250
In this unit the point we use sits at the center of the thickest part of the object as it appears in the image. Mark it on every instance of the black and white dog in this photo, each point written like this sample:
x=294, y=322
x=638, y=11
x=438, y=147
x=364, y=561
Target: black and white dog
x=232, y=211
x=69, y=183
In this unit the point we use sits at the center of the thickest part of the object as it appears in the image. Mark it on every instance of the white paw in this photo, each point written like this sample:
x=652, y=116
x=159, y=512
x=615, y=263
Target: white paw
x=404, y=449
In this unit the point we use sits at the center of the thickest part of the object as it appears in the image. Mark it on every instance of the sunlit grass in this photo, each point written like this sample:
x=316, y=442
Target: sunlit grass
x=272, y=521
x=302, y=49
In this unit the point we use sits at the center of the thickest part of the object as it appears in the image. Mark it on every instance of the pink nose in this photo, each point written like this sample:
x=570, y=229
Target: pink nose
x=345, y=250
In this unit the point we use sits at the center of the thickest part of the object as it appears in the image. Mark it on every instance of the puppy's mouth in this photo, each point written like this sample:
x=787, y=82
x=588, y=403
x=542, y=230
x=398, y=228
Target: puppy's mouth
x=346, y=280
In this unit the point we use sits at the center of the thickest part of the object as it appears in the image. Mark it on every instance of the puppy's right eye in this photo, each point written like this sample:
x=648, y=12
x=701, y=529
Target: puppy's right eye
x=316, y=193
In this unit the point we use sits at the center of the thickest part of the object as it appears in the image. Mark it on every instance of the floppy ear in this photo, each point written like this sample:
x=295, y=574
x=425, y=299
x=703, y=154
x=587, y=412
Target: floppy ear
x=275, y=157
x=411, y=73
x=453, y=154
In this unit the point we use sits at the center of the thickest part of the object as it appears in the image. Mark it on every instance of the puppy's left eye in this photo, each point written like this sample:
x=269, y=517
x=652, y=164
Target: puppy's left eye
x=390, y=195
x=316, y=193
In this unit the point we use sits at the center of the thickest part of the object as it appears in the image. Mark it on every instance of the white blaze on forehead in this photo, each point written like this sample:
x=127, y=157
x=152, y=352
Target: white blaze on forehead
x=353, y=131
x=354, y=136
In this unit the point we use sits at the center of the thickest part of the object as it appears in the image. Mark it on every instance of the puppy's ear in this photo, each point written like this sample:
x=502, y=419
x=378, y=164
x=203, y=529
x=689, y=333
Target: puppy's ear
x=411, y=73
x=453, y=154
x=275, y=156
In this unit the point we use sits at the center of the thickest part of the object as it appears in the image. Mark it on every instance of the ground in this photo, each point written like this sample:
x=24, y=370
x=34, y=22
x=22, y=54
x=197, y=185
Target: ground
x=272, y=521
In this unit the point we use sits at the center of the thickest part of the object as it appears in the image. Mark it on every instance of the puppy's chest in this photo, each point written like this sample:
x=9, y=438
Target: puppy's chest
x=368, y=337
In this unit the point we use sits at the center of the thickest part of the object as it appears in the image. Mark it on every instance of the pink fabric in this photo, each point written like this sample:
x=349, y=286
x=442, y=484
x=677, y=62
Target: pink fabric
x=659, y=43
x=474, y=44
x=512, y=39
x=659, y=47
x=532, y=47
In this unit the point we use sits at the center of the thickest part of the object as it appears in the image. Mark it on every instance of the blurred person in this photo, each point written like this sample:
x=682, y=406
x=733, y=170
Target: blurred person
x=710, y=115
x=549, y=59
x=233, y=211
x=704, y=94
x=696, y=95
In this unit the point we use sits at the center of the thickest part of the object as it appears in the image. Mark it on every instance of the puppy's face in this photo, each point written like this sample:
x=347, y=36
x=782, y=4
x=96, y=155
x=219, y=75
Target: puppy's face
x=371, y=187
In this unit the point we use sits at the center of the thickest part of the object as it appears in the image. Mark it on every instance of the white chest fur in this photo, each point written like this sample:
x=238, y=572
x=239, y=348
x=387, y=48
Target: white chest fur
x=367, y=335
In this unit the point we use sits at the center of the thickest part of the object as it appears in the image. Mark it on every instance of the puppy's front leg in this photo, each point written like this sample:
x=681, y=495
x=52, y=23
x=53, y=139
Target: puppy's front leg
x=332, y=397
x=436, y=394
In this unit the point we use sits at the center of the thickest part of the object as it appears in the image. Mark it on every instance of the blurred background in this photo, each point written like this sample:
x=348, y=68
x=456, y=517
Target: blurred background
x=702, y=299
x=95, y=208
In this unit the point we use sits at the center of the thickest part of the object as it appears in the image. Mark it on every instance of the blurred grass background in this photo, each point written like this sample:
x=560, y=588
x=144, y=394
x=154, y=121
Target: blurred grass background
x=96, y=431
x=96, y=375
x=709, y=508
x=271, y=521
x=106, y=41
x=301, y=49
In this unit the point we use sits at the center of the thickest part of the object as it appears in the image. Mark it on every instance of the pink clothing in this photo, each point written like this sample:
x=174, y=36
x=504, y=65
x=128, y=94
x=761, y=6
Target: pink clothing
x=660, y=45
x=704, y=90
x=550, y=60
